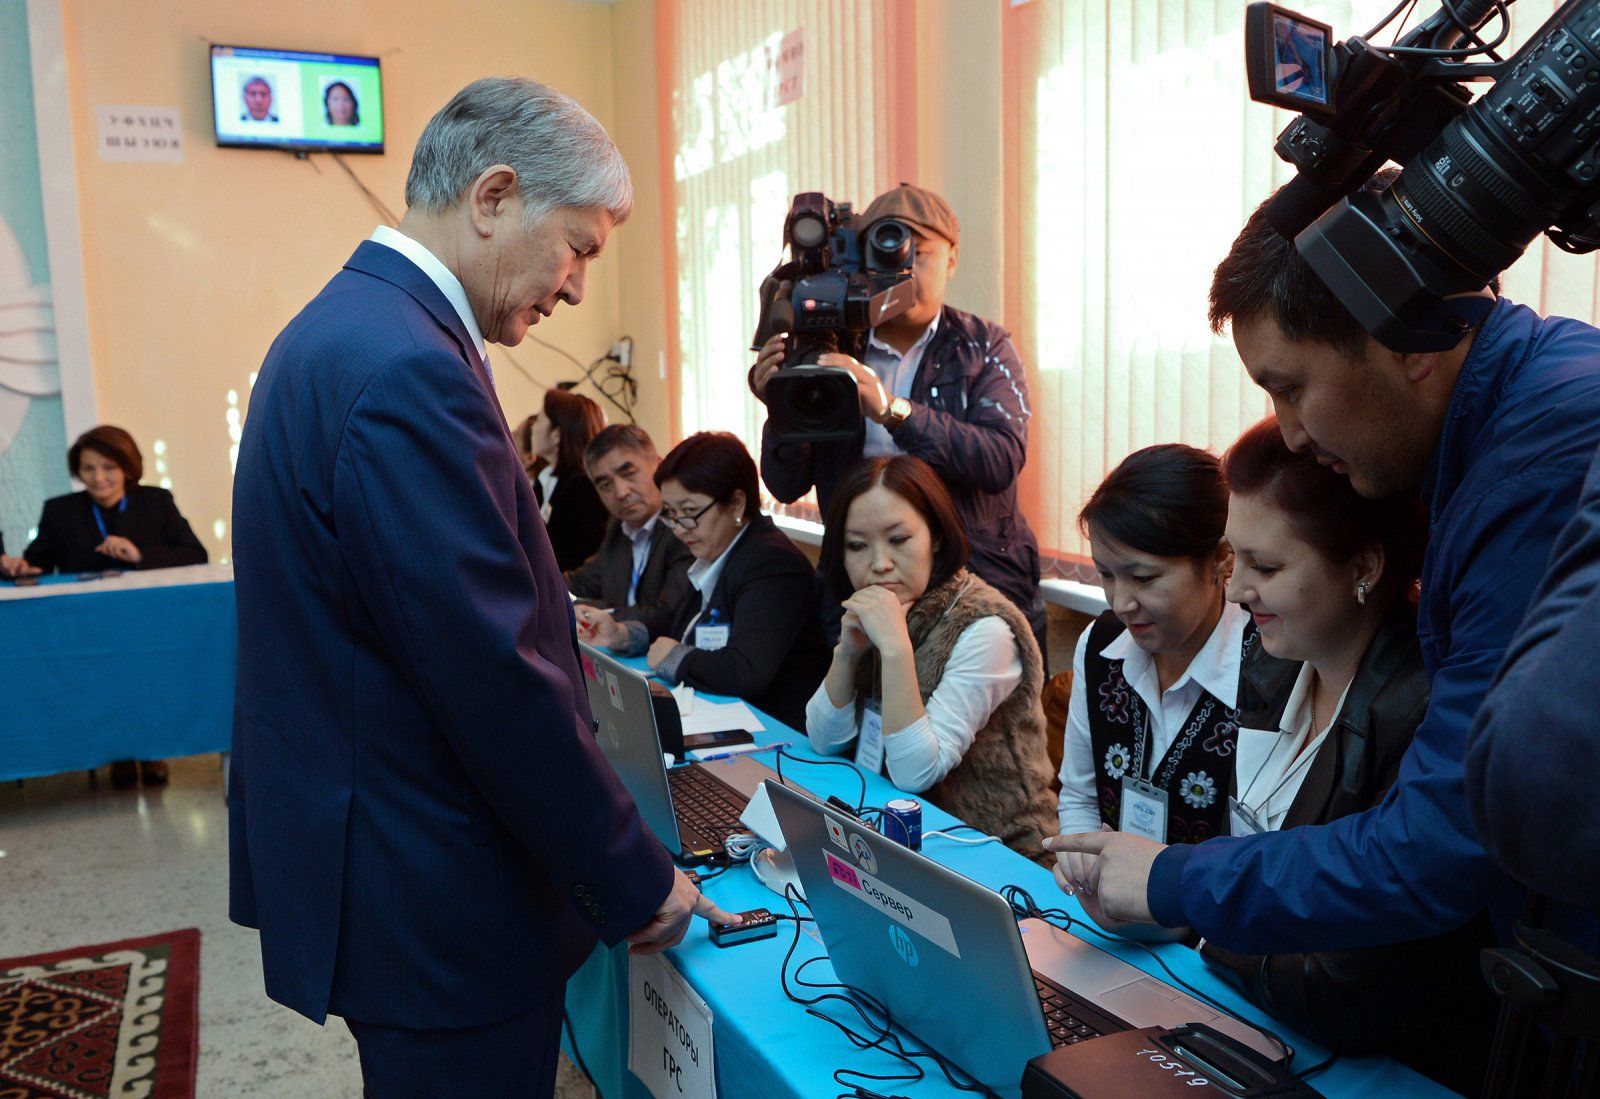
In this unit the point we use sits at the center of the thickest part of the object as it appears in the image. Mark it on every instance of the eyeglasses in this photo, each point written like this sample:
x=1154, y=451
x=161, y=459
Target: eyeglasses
x=689, y=520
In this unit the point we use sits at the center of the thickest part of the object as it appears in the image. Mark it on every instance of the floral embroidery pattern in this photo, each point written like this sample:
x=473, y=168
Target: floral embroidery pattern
x=1199, y=789
x=1114, y=697
x=1224, y=735
x=1116, y=762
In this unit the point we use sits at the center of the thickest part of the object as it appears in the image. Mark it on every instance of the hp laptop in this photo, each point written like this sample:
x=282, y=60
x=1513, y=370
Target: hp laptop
x=692, y=809
x=948, y=959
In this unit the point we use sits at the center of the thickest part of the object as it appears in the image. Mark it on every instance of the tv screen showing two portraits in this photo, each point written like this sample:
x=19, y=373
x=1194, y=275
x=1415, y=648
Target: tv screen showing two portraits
x=290, y=99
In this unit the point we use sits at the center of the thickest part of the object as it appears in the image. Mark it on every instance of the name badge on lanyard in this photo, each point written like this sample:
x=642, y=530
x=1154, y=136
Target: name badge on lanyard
x=869, y=750
x=1144, y=804
x=1144, y=809
x=710, y=638
x=1242, y=820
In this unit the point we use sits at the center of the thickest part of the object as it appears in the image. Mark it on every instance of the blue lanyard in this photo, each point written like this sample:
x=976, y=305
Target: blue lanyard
x=633, y=585
x=100, y=519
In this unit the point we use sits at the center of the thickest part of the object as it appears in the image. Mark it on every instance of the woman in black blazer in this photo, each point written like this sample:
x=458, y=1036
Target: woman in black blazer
x=556, y=437
x=115, y=523
x=748, y=625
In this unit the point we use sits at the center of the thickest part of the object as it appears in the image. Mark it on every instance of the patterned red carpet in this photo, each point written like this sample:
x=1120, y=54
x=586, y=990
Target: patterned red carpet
x=118, y=1019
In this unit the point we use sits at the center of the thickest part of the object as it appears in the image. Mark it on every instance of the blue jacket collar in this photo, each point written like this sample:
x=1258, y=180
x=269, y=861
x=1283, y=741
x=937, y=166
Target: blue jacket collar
x=385, y=263
x=1484, y=374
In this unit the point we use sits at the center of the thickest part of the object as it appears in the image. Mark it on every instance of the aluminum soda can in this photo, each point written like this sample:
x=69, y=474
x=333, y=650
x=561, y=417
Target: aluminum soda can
x=902, y=822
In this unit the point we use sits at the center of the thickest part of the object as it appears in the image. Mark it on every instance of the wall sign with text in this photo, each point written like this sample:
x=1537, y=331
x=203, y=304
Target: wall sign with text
x=130, y=134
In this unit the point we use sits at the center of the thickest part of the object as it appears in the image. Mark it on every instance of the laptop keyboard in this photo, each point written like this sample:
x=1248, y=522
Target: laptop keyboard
x=705, y=805
x=1068, y=1019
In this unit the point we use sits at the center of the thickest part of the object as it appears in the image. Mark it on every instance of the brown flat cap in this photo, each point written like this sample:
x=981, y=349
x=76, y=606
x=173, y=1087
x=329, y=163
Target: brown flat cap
x=919, y=206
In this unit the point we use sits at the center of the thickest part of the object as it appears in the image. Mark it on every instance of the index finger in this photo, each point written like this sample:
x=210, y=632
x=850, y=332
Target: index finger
x=705, y=906
x=1086, y=843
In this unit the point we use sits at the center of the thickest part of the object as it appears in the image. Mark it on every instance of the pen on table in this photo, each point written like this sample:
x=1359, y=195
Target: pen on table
x=746, y=752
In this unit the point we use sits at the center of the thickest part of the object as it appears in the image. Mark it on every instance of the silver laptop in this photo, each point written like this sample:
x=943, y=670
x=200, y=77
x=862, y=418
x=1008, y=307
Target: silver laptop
x=692, y=809
x=948, y=959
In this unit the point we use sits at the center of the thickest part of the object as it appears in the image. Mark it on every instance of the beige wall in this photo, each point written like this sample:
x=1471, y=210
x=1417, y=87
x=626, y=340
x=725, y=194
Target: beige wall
x=191, y=269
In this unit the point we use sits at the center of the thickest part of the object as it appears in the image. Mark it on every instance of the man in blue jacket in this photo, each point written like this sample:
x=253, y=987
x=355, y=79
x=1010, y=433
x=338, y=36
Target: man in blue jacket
x=1535, y=748
x=1498, y=432
x=421, y=823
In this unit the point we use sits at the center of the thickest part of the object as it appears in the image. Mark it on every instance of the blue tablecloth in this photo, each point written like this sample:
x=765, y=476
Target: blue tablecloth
x=767, y=1046
x=90, y=674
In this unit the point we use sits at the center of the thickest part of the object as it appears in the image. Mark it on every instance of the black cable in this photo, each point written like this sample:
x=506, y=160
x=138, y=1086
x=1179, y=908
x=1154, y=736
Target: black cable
x=1387, y=19
x=572, y=1039
x=377, y=203
x=1482, y=47
x=1319, y=1067
x=1023, y=906
x=860, y=802
x=864, y=1004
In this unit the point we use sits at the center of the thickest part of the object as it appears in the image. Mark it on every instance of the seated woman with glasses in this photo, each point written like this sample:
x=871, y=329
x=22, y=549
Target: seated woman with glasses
x=935, y=680
x=748, y=625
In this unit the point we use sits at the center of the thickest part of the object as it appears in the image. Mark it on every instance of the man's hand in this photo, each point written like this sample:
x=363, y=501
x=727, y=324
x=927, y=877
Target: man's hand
x=598, y=627
x=120, y=549
x=768, y=360
x=667, y=927
x=874, y=398
x=1120, y=874
x=14, y=567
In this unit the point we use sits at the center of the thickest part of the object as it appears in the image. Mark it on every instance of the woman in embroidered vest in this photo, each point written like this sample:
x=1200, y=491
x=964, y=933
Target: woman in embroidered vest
x=1326, y=575
x=1154, y=710
x=936, y=676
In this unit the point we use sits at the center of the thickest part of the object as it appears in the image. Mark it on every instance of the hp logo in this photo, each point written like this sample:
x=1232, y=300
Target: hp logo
x=903, y=945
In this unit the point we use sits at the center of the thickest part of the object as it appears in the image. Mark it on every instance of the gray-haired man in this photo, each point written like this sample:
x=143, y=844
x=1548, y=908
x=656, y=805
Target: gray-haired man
x=421, y=823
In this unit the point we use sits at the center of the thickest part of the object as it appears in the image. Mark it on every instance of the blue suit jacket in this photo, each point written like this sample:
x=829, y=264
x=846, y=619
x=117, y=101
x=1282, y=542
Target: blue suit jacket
x=1517, y=441
x=421, y=823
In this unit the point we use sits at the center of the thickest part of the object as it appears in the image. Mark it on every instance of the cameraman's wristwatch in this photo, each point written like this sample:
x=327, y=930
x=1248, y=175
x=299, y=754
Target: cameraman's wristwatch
x=898, y=413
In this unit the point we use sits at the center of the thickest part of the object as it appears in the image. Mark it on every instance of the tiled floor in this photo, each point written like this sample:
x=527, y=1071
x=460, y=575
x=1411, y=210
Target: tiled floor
x=81, y=866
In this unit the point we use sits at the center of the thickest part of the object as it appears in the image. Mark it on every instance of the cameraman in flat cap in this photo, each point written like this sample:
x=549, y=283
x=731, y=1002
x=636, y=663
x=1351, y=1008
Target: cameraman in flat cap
x=940, y=384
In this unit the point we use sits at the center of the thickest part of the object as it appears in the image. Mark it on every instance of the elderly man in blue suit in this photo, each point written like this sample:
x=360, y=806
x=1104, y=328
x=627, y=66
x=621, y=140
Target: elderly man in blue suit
x=422, y=826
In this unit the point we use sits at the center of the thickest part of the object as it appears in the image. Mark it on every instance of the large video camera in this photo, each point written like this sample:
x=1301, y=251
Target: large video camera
x=840, y=280
x=1480, y=179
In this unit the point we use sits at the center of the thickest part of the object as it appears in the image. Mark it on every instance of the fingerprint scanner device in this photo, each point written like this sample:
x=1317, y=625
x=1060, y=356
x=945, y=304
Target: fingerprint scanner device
x=692, y=809
x=921, y=938
x=755, y=924
x=1193, y=1060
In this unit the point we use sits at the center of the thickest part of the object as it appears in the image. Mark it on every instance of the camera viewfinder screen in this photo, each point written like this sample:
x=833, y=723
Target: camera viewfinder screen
x=289, y=99
x=1299, y=53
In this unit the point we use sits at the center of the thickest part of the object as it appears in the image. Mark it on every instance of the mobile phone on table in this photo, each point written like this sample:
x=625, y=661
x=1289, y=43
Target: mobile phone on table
x=723, y=738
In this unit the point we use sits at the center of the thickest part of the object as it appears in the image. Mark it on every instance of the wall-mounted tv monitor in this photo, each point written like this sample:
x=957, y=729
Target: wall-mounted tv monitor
x=291, y=99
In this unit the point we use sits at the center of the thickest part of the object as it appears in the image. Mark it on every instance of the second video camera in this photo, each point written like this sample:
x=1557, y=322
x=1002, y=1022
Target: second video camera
x=841, y=280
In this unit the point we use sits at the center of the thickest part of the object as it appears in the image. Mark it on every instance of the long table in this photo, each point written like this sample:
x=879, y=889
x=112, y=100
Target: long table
x=136, y=666
x=767, y=1046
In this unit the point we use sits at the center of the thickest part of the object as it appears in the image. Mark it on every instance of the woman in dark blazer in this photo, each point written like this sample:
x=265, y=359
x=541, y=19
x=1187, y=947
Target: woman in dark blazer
x=552, y=443
x=1327, y=576
x=115, y=523
x=749, y=625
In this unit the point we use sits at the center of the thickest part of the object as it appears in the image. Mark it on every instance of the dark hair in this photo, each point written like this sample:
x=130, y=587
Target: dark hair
x=112, y=443
x=617, y=437
x=915, y=482
x=579, y=419
x=716, y=464
x=1263, y=275
x=1326, y=512
x=355, y=104
x=1167, y=500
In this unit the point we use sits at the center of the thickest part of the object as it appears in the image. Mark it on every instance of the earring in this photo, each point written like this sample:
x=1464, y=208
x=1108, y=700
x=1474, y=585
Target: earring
x=1361, y=593
x=738, y=521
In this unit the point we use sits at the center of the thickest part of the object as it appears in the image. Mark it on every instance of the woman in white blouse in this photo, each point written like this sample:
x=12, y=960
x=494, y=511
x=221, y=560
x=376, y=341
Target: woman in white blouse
x=935, y=680
x=1153, y=714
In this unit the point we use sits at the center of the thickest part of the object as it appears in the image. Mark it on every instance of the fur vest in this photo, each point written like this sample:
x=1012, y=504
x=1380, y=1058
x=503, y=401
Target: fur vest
x=1002, y=784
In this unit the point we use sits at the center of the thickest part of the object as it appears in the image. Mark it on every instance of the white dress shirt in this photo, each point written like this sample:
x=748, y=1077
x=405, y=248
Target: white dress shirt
x=1214, y=671
x=639, y=540
x=983, y=669
x=547, y=489
x=440, y=275
x=704, y=576
x=1273, y=763
x=898, y=372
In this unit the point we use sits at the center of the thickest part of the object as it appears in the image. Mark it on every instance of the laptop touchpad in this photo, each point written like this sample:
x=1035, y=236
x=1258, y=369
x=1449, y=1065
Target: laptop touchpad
x=1148, y=1002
